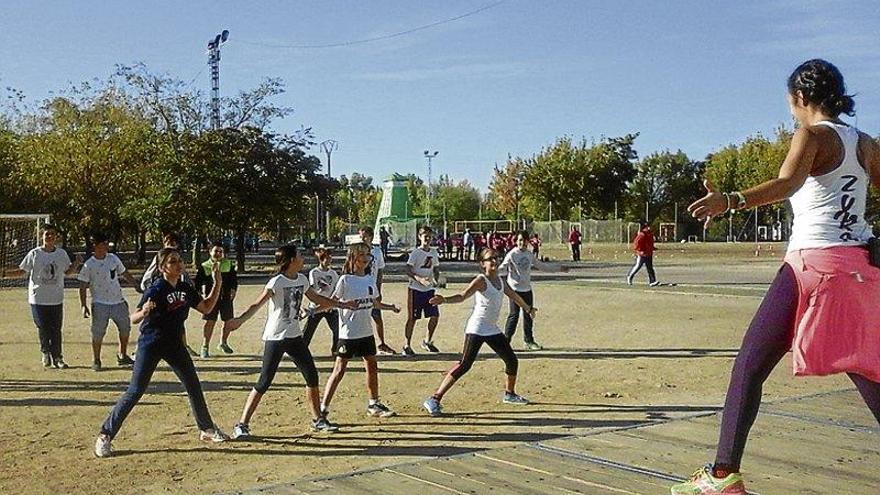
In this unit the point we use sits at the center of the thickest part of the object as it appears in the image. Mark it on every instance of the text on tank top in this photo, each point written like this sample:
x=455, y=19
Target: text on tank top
x=487, y=309
x=829, y=209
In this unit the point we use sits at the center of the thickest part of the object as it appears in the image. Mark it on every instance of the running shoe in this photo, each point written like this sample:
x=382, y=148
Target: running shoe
x=510, y=398
x=629, y=281
x=102, y=446
x=654, y=284
x=60, y=364
x=241, y=430
x=213, y=435
x=192, y=352
x=205, y=354
x=124, y=360
x=379, y=410
x=408, y=351
x=533, y=346
x=429, y=346
x=225, y=348
x=703, y=483
x=323, y=424
x=47, y=360
x=432, y=405
x=386, y=349
x=96, y=366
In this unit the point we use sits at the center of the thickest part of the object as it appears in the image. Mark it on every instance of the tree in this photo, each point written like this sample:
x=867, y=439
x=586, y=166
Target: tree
x=506, y=187
x=459, y=201
x=662, y=180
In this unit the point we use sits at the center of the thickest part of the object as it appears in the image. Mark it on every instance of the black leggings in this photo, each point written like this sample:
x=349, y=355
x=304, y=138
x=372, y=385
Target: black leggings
x=513, y=318
x=312, y=322
x=767, y=340
x=472, y=344
x=298, y=351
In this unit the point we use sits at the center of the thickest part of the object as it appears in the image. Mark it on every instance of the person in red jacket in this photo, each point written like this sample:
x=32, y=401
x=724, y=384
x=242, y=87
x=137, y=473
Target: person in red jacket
x=574, y=238
x=643, y=246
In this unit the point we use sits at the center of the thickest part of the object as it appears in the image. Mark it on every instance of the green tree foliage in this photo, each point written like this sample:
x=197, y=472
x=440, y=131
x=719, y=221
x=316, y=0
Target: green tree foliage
x=506, y=187
x=662, y=180
x=459, y=201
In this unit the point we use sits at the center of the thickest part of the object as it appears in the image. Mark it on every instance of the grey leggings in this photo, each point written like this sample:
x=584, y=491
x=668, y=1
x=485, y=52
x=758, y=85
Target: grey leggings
x=767, y=340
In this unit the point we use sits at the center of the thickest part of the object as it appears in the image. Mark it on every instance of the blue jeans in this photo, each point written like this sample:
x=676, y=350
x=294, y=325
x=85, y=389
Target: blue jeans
x=48, y=320
x=149, y=353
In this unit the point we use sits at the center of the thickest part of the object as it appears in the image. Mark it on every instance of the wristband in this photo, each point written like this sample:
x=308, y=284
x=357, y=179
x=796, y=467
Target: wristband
x=741, y=200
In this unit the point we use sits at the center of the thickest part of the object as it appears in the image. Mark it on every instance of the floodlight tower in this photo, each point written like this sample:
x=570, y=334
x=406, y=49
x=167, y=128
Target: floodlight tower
x=430, y=155
x=214, y=63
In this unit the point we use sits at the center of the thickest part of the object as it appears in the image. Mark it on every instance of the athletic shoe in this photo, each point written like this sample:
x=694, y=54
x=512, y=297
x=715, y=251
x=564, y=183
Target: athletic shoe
x=510, y=398
x=629, y=281
x=379, y=410
x=192, y=352
x=124, y=360
x=102, y=446
x=205, y=354
x=385, y=349
x=225, y=348
x=241, y=430
x=432, y=405
x=429, y=346
x=323, y=424
x=408, y=351
x=703, y=483
x=654, y=284
x=96, y=366
x=60, y=364
x=213, y=435
x=533, y=346
x=47, y=360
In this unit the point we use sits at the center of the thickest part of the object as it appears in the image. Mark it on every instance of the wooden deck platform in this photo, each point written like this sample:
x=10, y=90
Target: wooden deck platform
x=825, y=443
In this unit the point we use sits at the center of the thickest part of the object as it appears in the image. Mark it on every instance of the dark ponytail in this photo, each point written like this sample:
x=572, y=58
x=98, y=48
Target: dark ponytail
x=821, y=83
x=284, y=256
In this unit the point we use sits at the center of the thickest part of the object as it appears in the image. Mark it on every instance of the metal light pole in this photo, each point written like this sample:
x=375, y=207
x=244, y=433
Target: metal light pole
x=430, y=156
x=214, y=62
x=329, y=146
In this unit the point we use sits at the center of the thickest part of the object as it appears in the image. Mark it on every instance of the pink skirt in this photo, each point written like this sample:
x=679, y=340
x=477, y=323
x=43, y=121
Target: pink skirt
x=837, y=326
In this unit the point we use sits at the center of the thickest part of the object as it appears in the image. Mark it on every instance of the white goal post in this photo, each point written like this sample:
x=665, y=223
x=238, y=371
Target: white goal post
x=19, y=233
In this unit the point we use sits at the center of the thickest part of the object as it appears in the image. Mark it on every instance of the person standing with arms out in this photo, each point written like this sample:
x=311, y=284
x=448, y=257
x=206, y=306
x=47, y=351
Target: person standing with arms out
x=282, y=335
x=423, y=270
x=163, y=309
x=376, y=271
x=825, y=175
x=357, y=296
x=224, y=307
x=152, y=273
x=518, y=264
x=384, y=241
x=46, y=267
x=100, y=274
x=323, y=280
x=482, y=327
x=643, y=246
x=574, y=239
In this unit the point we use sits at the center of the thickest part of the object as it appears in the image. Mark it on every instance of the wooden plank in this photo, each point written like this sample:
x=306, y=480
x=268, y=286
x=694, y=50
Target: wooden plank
x=783, y=456
x=845, y=409
x=379, y=483
x=433, y=472
x=315, y=487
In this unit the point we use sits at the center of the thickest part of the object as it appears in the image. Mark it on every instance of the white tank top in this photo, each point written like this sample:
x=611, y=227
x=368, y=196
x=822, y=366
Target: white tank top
x=829, y=209
x=487, y=308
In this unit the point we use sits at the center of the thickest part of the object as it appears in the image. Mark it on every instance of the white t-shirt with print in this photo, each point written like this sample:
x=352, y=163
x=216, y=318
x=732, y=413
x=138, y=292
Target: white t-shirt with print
x=284, y=305
x=519, y=263
x=103, y=278
x=377, y=264
x=356, y=323
x=423, y=264
x=45, y=275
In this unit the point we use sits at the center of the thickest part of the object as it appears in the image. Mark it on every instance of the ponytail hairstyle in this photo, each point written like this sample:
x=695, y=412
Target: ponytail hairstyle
x=822, y=84
x=163, y=256
x=354, y=250
x=284, y=256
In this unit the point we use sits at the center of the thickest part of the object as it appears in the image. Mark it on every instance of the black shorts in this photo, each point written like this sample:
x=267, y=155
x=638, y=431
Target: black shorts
x=223, y=308
x=352, y=348
x=418, y=304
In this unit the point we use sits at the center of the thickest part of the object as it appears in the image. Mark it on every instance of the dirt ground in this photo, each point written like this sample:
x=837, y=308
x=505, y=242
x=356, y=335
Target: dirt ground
x=615, y=356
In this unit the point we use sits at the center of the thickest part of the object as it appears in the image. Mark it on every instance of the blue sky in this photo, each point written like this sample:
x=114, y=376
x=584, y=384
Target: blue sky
x=691, y=75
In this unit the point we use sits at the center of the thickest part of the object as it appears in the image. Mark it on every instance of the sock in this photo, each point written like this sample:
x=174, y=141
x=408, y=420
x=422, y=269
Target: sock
x=721, y=471
x=436, y=397
x=373, y=401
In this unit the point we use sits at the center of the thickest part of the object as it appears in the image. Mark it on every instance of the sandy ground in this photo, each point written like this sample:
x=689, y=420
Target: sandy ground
x=615, y=356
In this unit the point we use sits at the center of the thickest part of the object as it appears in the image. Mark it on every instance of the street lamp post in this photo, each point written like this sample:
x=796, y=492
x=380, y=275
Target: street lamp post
x=214, y=62
x=430, y=155
x=329, y=146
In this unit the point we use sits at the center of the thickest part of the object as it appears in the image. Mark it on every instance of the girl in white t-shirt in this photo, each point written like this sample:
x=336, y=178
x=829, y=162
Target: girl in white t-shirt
x=323, y=280
x=282, y=335
x=357, y=289
x=482, y=327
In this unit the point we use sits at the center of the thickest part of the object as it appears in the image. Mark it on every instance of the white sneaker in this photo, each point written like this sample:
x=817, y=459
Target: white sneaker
x=510, y=398
x=102, y=446
x=654, y=284
x=214, y=435
x=379, y=410
x=241, y=430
